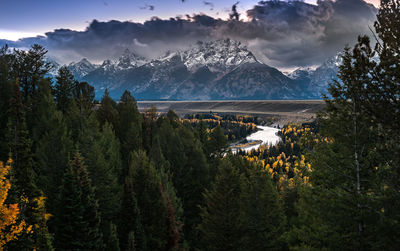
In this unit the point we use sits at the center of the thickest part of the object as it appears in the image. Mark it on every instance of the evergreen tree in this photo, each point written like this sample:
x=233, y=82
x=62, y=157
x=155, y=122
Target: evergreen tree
x=29, y=67
x=189, y=168
x=78, y=219
x=262, y=215
x=130, y=126
x=157, y=204
x=101, y=153
x=6, y=90
x=53, y=145
x=20, y=147
x=347, y=203
x=24, y=180
x=221, y=224
x=149, y=127
x=130, y=220
x=217, y=144
x=63, y=88
x=107, y=112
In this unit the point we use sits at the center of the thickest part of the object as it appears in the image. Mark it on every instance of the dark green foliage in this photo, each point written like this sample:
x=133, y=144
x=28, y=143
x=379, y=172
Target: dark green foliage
x=262, y=215
x=157, y=210
x=348, y=203
x=130, y=224
x=6, y=90
x=78, y=218
x=63, y=88
x=23, y=176
x=112, y=241
x=53, y=146
x=130, y=126
x=217, y=144
x=221, y=226
x=107, y=112
x=149, y=127
x=189, y=168
x=101, y=153
x=242, y=210
x=30, y=67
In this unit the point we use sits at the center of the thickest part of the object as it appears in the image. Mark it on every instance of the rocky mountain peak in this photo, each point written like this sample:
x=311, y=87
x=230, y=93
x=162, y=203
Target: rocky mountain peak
x=82, y=68
x=218, y=55
x=129, y=60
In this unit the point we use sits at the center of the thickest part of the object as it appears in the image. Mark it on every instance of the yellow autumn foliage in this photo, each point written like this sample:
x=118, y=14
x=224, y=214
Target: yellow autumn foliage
x=10, y=229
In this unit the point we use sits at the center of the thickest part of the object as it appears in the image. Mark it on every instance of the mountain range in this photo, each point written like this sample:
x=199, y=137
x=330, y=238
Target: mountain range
x=217, y=70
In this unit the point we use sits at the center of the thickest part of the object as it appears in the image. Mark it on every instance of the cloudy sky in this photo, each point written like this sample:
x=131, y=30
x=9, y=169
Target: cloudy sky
x=283, y=34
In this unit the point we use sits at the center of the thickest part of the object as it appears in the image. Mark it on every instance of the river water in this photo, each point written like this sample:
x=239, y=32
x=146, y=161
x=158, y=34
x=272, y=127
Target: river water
x=268, y=136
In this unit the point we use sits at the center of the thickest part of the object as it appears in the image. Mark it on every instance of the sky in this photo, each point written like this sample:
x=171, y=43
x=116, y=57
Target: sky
x=283, y=34
x=22, y=18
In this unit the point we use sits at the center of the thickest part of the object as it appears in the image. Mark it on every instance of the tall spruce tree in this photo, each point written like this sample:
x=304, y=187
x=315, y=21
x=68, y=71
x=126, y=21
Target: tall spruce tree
x=157, y=207
x=348, y=204
x=29, y=67
x=6, y=90
x=53, y=144
x=101, y=153
x=63, y=88
x=107, y=112
x=189, y=168
x=78, y=217
x=221, y=226
x=262, y=215
x=130, y=126
x=25, y=190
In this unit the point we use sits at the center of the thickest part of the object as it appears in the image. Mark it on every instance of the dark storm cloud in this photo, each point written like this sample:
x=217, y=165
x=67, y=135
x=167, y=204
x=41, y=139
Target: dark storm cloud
x=282, y=34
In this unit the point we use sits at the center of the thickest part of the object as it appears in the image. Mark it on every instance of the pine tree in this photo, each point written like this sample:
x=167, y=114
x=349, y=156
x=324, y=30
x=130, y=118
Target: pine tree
x=189, y=168
x=130, y=126
x=345, y=205
x=262, y=215
x=63, y=88
x=24, y=179
x=29, y=67
x=69, y=216
x=221, y=224
x=20, y=146
x=130, y=218
x=53, y=144
x=101, y=153
x=217, y=144
x=158, y=208
x=107, y=112
x=78, y=218
x=6, y=88
x=149, y=127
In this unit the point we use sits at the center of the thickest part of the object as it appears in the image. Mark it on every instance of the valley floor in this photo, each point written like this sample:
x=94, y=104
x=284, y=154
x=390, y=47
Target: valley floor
x=283, y=111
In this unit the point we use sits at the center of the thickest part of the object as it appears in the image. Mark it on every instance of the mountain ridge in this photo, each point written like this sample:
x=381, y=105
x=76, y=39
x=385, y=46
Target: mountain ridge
x=222, y=69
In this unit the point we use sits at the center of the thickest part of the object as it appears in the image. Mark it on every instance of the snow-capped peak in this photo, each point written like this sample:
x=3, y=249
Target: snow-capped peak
x=129, y=60
x=217, y=55
x=82, y=68
x=301, y=73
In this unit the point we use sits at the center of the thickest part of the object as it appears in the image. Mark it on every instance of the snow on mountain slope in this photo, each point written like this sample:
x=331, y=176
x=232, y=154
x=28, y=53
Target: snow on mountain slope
x=82, y=68
x=221, y=69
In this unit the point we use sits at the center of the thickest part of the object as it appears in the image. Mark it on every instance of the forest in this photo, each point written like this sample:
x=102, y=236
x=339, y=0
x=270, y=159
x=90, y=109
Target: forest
x=81, y=174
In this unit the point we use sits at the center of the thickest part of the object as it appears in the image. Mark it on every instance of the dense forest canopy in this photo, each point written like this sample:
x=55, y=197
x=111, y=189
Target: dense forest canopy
x=86, y=176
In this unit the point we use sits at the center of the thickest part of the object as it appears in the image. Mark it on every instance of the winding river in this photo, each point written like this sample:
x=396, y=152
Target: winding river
x=265, y=135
